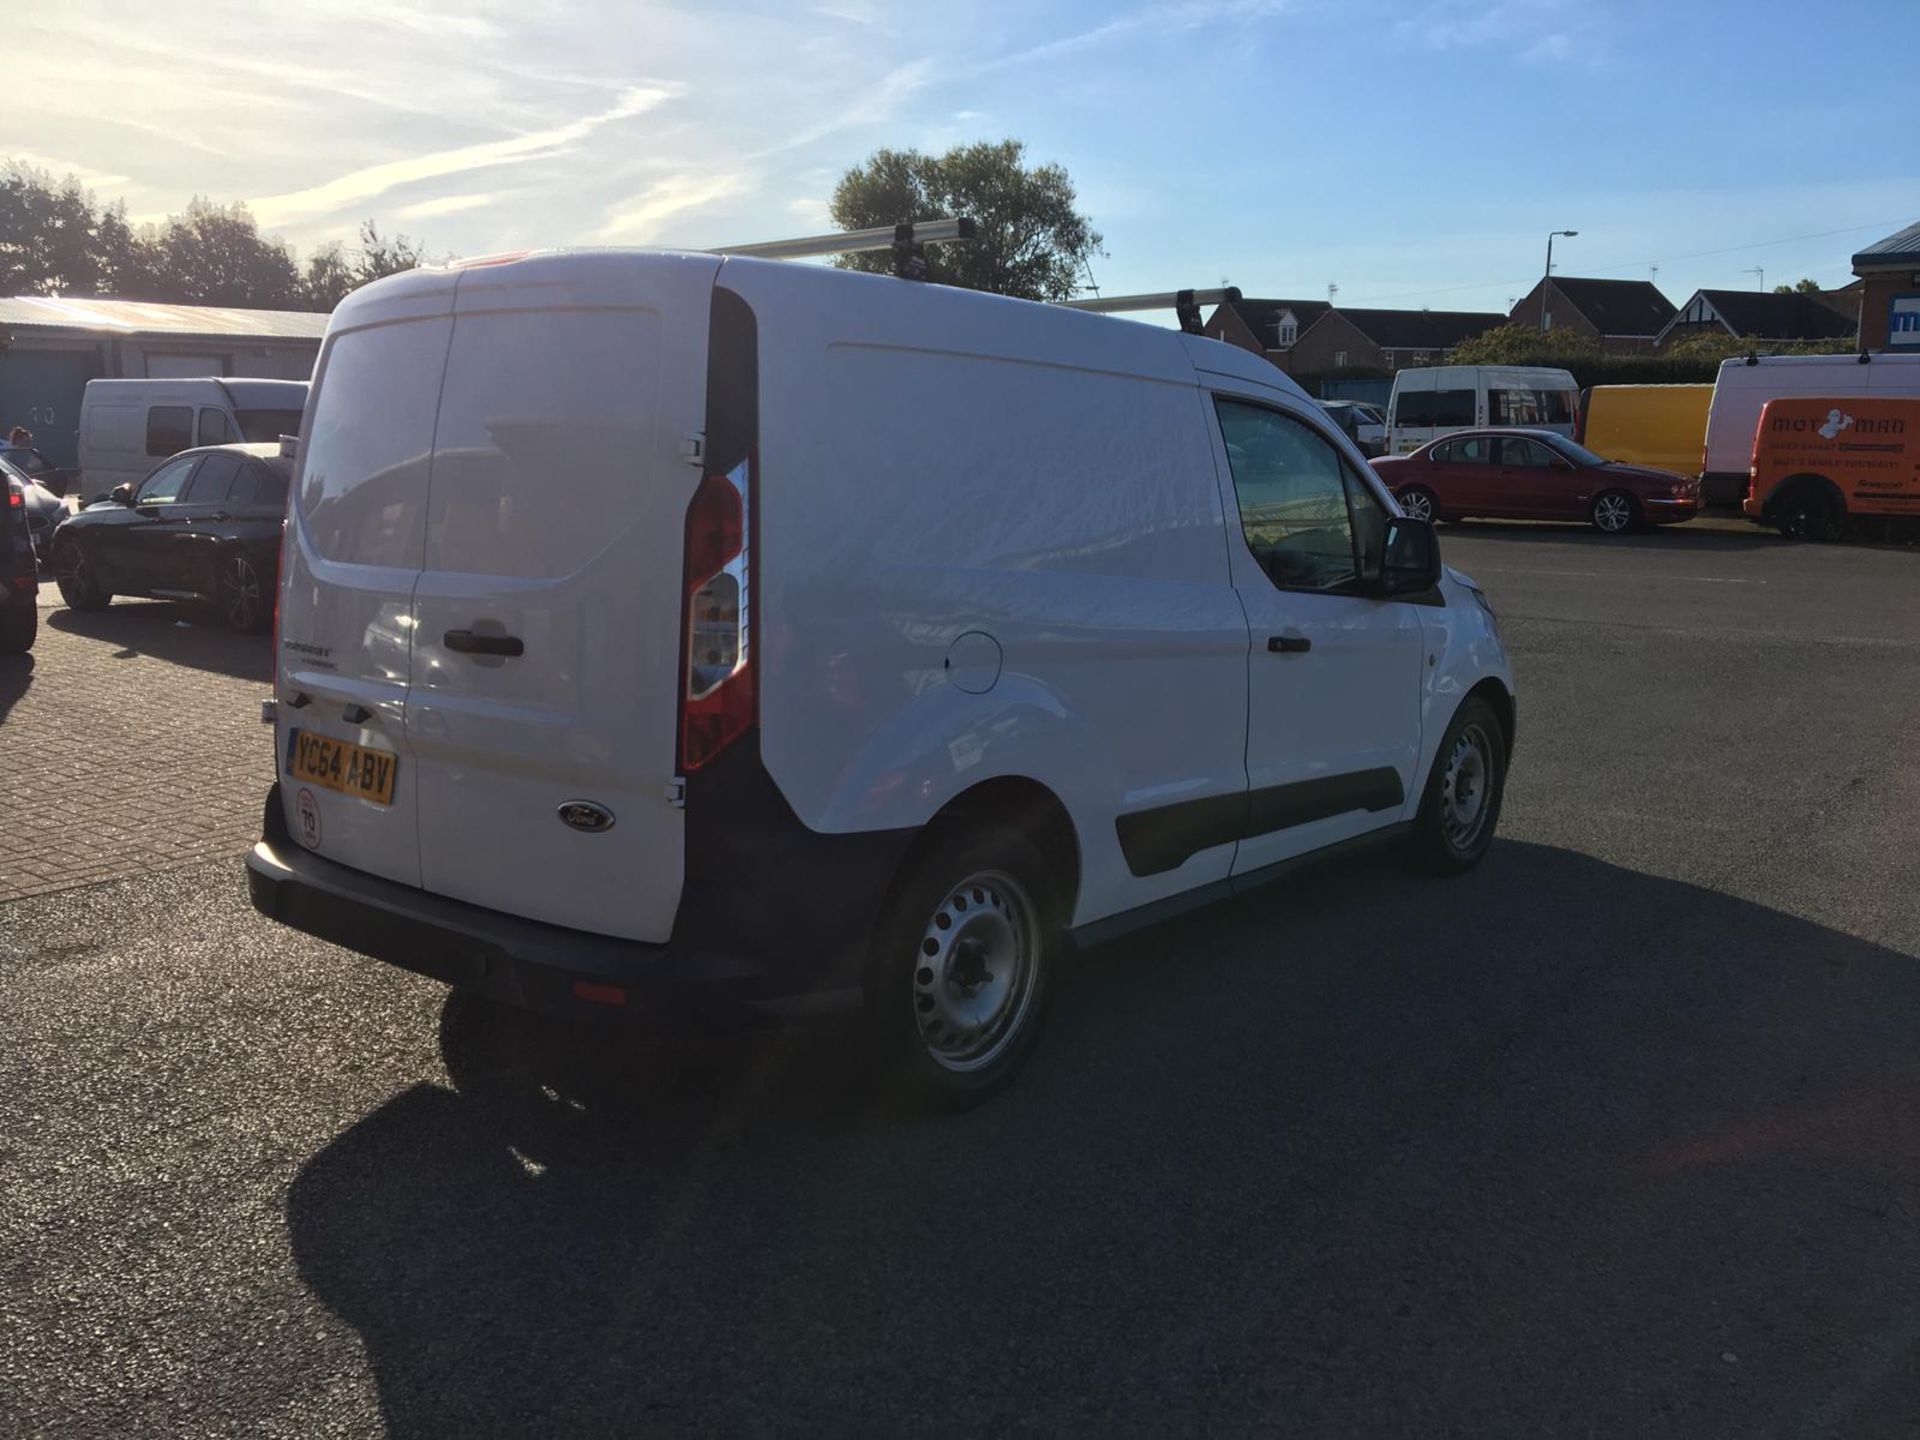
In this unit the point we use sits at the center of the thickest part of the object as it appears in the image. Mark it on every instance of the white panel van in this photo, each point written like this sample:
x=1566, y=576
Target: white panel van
x=656, y=626
x=1434, y=400
x=127, y=427
x=1743, y=386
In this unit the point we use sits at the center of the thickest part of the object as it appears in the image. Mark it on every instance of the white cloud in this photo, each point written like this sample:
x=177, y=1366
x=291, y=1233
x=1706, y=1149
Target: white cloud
x=1549, y=47
x=446, y=205
x=810, y=213
x=375, y=180
x=1153, y=19
x=639, y=220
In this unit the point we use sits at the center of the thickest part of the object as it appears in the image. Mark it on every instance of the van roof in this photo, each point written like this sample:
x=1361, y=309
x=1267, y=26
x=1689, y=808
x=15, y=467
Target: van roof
x=876, y=309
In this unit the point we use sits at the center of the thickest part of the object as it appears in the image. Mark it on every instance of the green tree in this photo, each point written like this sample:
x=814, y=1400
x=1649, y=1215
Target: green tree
x=1032, y=241
x=216, y=255
x=332, y=272
x=1802, y=286
x=1524, y=345
x=46, y=233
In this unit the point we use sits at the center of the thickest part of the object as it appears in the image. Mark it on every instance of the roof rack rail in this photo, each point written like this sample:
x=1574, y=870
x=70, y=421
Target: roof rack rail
x=907, y=243
x=1185, y=303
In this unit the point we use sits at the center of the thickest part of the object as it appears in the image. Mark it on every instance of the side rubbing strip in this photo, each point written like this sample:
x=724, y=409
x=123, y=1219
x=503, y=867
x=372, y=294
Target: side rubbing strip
x=1165, y=838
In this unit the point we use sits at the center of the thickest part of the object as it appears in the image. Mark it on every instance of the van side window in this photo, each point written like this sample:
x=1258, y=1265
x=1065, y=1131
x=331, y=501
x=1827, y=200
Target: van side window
x=169, y=429
x=1452, y=407
x=1292, y=492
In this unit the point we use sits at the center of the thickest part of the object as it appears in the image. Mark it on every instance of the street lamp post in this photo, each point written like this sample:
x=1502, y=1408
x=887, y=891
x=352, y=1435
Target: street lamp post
x=1549, y=275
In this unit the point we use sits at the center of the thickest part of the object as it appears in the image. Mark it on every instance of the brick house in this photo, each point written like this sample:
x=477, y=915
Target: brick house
x=1266, y=327
x=1889, y=270
x=1625, y=316
x=1384, y=340
x=1763, y=316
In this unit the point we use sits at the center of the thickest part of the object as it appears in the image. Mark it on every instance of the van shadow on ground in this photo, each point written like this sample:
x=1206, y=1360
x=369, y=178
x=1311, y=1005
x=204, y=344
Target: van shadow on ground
x=173, y=631
x=1553, y=1147
x=16, y=674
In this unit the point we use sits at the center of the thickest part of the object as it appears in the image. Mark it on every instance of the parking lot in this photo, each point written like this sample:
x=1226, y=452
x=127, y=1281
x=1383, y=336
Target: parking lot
x=1613, y=1136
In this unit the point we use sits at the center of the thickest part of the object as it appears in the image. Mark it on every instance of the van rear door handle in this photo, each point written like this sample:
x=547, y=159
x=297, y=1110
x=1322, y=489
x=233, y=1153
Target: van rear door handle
x=1288, y=644
x=468, y=643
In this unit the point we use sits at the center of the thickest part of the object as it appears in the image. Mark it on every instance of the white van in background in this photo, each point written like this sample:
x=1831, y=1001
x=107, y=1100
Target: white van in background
x=661, y=625
x=1743, y=386
x=127, y=427
x=1434, y=400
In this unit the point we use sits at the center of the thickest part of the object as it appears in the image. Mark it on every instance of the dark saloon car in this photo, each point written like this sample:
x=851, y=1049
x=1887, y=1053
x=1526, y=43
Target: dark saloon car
x=204, y=526
x=19, y=586
x=1533, y=475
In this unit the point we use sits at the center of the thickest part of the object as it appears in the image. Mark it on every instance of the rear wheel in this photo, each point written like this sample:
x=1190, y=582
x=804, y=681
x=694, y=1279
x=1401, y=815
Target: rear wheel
x=73, y=572
x=19, y=624
x=1417, y=503
x=1614, y=512
x=1461, y=804
x=961, y=962
x=241, y=596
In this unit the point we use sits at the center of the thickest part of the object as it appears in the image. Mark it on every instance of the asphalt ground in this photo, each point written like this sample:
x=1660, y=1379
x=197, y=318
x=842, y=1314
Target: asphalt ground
x=1615, y=1136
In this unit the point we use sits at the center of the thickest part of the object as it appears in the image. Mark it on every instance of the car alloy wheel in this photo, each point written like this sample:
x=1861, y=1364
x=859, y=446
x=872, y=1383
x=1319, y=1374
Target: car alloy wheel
x=1612, y=512
x=975, y=978
x=240, y=599
x=1416, y=505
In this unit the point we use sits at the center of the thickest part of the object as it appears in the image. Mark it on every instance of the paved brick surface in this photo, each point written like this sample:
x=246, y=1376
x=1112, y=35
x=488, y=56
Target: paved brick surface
x=131, y=742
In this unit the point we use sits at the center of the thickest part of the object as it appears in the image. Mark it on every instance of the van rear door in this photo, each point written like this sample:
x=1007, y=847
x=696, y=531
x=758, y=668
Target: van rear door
x=355, y=537
x=546, y=645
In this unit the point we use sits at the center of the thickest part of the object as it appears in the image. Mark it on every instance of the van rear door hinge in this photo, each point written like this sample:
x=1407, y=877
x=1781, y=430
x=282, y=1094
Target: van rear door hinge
x=677, y=792
x=693, y=447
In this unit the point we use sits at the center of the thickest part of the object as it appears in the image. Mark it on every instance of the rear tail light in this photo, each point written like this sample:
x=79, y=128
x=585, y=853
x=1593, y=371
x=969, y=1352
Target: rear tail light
x=717, y=694
x=16, y=497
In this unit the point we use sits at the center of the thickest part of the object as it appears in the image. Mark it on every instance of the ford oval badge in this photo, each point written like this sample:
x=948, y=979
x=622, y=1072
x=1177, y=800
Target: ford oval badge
x=587, y=816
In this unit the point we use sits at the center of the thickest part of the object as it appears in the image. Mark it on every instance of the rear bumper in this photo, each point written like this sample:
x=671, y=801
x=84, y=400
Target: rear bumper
x=519, y=962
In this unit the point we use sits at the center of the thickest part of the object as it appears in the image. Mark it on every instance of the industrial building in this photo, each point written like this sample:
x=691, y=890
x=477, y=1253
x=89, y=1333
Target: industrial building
x=51, y=346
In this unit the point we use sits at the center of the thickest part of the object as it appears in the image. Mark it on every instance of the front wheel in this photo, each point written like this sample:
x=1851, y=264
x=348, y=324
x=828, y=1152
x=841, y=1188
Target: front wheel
x=1461, y=805
x=241, y=596
x=1613, y=512
x=79, y=585
x=958, y=981
x=1418, y=503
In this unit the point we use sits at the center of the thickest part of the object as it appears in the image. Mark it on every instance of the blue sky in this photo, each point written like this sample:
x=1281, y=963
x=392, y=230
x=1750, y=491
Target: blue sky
x=1414, y=152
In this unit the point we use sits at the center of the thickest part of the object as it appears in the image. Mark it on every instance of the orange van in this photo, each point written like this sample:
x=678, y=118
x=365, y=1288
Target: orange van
x=1819, y=463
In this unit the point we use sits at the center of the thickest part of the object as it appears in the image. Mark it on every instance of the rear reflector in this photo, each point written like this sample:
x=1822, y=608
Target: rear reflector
x=600, y=994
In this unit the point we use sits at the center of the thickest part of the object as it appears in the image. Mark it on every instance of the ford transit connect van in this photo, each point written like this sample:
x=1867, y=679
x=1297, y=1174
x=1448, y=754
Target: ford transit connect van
x=655, y=625
x=1819, y=462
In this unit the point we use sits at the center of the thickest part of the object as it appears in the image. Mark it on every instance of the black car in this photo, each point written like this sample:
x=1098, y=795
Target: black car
x=19, y=585
x=204, y=526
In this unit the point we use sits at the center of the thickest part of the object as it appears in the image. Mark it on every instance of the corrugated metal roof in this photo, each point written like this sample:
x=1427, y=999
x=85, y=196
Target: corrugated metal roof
x=141, y=317
x=1900, y=248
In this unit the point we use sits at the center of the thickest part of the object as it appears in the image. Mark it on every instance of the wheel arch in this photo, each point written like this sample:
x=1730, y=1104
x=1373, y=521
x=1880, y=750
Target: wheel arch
x=1018, y=803
x=1792, y=485
x=1500, y=699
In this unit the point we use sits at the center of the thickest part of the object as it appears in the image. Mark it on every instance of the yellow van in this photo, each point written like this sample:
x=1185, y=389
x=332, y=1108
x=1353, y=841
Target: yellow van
x=1664, y=426
x=1818, y=463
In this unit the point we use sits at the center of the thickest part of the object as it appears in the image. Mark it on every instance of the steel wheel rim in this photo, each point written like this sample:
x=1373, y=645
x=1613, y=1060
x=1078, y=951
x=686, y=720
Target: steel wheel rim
x=973, y=978
x=240, y=593
x=1417, y=506
x=1613, y=512
x=1465, y=789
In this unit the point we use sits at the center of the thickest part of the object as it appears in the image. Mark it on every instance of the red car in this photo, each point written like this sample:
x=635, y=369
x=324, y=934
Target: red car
x=1533, y=475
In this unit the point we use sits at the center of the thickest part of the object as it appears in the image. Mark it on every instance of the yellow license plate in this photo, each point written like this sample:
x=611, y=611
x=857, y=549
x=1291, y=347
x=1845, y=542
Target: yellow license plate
x=341, y=765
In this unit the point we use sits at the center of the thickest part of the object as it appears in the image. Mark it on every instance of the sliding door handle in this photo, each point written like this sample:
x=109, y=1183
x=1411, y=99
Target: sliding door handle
x=1288, y=644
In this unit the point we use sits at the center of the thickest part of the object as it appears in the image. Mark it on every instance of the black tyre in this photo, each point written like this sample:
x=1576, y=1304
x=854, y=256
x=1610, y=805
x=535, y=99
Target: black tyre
x=958, y=978
x=19, y=624
x=1461, y=804
x=1614, y=512
x=1418, y=503
x=242, y=597
x=73, y=572
x=1808, y=512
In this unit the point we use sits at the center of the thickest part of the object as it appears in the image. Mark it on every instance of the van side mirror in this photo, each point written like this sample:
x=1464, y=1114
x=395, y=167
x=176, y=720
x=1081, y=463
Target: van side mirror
x=1410, y=562
x=121, y=494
